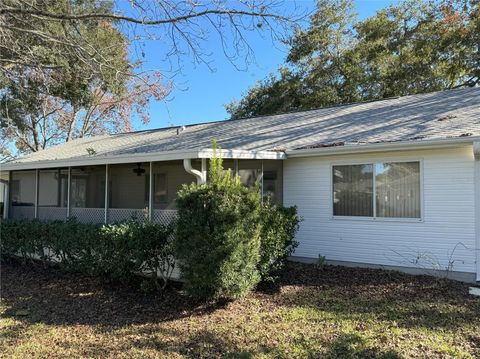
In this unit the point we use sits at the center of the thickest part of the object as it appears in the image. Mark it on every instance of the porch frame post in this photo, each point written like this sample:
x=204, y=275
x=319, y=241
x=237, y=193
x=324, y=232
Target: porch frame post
x=261, y=184
x=6, y=196
x=69, y=181
x=235, y=166
x=10, y=196
x=37, y=185
x=204, y=170
x=106, y=194
x=150, y=193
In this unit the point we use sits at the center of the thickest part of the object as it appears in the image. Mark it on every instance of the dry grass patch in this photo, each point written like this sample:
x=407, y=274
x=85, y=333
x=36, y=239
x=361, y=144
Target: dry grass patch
x=335, y=312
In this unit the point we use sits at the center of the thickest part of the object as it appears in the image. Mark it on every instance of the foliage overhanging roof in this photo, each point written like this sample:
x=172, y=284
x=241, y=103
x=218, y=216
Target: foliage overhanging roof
x=438, y=115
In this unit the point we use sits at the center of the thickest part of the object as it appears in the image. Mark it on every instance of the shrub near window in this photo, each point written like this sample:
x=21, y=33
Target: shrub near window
x=279, y=225
x=226, y=239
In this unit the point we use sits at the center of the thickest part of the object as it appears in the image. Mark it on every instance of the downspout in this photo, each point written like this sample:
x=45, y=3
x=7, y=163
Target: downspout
x=476, y=153
x=201, y=176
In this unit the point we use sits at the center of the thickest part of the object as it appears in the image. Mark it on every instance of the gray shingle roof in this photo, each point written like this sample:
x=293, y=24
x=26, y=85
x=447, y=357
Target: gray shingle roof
x=443, y=114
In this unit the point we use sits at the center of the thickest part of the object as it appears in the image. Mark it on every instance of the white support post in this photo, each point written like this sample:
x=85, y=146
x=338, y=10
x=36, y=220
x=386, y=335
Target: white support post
x=10, y=187
x=69, y=182
x=37, y=184
x=204, y=170
x=262, y=182
x=6, y=196
x=235, y=167
x=150, y=193
x=106, y=194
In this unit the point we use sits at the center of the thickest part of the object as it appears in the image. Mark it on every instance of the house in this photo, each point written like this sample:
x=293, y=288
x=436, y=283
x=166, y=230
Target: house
x=392, y=183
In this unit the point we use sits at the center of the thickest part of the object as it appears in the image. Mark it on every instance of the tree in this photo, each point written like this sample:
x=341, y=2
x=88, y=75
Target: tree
x=413, y=47
x=182, y=26
x=66, y=80
x=66, y=69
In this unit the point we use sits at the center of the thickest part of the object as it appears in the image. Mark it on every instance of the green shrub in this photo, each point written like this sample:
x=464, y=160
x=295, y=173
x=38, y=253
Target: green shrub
x=226, y=239
x=279, y=225
x=218, y=236
x=116, y=251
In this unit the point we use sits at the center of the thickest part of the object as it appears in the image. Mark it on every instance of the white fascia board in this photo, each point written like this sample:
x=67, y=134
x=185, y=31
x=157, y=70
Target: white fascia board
x=242, y=154
x=382, y=147
x=101, y=160
x=141, y=157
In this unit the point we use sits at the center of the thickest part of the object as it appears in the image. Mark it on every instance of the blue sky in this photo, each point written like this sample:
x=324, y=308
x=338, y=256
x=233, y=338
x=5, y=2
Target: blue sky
x=199, y=94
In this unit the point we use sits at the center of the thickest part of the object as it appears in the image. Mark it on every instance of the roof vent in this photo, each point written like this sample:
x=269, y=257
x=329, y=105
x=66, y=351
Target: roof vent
x=180, y=129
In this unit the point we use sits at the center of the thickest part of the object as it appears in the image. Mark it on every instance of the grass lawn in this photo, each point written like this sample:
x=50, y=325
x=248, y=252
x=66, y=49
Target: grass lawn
x=335, y=312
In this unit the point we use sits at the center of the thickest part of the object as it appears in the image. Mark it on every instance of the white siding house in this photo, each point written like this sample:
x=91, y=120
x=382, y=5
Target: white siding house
x=443, y=237
x=392, y=183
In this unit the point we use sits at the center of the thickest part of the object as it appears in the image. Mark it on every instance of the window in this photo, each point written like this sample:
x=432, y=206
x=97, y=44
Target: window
x=385, y=190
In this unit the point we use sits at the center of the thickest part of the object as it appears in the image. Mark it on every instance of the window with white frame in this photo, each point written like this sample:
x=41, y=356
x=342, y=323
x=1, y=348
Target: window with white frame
x=382, y=189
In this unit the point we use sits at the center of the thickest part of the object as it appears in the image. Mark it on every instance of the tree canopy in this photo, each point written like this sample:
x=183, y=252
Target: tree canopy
x=409, y=48
x=73, y=68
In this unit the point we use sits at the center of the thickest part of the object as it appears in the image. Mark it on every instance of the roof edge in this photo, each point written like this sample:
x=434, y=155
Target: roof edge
x=384, y=146
x=143, y=157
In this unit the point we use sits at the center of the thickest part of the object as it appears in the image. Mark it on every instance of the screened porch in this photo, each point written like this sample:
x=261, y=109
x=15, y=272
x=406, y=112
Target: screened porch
x=118, y=192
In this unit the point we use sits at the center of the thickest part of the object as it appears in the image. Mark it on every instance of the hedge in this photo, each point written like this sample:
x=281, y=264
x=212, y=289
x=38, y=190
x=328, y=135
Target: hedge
x=115, y=251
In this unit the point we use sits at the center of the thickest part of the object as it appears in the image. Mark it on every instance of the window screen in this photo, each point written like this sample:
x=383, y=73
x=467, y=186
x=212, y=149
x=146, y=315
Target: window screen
x=398, y=189
x=394, y=186
x=353, y=190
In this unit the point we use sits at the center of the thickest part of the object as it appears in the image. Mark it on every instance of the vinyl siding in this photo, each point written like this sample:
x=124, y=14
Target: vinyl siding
x=446, y=232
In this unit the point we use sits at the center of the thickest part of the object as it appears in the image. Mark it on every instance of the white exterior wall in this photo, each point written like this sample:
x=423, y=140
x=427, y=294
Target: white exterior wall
x=448, y=216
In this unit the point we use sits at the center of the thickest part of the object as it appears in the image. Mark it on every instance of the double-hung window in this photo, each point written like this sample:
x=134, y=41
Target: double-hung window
x=377, y=190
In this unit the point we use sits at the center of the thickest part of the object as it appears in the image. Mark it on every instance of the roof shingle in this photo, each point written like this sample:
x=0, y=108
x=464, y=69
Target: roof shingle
x=443, y=114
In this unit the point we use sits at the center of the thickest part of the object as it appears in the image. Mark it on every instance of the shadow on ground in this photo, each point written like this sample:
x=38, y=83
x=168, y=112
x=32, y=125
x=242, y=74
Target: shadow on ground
x=160, y=321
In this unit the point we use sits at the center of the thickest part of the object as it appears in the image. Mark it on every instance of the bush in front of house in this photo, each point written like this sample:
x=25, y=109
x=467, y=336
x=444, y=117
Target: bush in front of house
x=278, y=227
x=114, y=251
x=217, y=239
x=226, y=239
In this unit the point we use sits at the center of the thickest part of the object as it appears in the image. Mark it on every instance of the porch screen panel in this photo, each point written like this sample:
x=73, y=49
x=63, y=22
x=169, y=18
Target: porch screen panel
x=22, y=194
x=168, y=179
x=52, y=194
x=353, y=190
x=398, y=189
x=250, y=172
x=227, y=164
x=87, y=194
x=273, y=180
x=52, y=188
x=127, y=192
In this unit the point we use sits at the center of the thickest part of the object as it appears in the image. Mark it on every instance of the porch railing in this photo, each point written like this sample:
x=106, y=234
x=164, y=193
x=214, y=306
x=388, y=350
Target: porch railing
x=52, y=213
x=88, y=215
x=93, y=215
x=21, y=212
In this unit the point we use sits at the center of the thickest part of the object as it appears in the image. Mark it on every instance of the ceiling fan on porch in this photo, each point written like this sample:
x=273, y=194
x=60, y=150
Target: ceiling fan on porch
x=139, y=170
